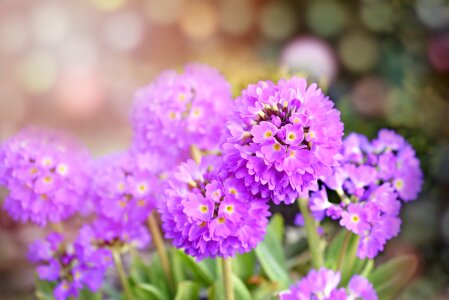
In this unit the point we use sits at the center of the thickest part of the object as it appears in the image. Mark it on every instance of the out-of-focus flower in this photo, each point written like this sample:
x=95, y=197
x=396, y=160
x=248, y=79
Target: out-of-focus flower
x=106, y=233
x=324, y=284
x=123, y=188
x=208, y=213
x=282, y=138
x=372, y=180
x=71, y=266
x=177, y=111
x=46, y=173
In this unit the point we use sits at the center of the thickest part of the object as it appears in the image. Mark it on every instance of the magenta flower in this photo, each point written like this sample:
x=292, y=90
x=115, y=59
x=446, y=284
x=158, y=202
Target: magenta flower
x=71, y=266
x=179, y=110
x=46, y=173
x=324, y=285
x=208, y=213
x=282, y=137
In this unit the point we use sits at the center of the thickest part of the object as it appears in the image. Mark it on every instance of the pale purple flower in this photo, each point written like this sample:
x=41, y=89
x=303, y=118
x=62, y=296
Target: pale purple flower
x=324, y=284
x=122, y=189
x=281, y=138
x=46, y=173
x=178, y=110
x=208, y=213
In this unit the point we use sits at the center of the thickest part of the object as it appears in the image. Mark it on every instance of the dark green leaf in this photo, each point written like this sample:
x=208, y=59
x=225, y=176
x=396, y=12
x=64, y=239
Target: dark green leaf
x=243, y=265
x=271, y=256
x=152, y=292
x=200, y=272
x=389, y=278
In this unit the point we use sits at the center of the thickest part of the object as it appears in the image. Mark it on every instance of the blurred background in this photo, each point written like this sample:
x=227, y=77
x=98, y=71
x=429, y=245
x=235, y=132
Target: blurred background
x=76, y=64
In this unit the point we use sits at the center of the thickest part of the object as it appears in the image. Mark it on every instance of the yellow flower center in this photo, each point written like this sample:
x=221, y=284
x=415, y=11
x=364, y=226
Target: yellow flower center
x=48, y=179
x=276, y=147
x=291, y=136
x=355, y=218
x=399, y=184
x=233, y=191
x=141, y=202
x=203, y=208
x=292, y=153
x=229, y=208
x=172, y=115
x=268, y=134
x=221, y=220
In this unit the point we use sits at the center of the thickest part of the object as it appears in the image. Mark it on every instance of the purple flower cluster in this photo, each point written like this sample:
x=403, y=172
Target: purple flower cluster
x=372, y=180
x=122, y=189
x=282, y=138
x=46, y=173
x=209, y=213
x=179, y=110
x=123, y=192
x=72, y=266
x=323, y=284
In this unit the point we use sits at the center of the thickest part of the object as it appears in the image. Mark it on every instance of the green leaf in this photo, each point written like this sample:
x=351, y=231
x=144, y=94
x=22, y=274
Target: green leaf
x=88, y=295
x=389, y=278
x=333, y=250
x=271, y=256
x=158, y=278
x=139, y=271
x=200, y=271
x=217, y=292
x=188, y=290
x=277, y=227
x=240, y=290
x=152, y=291
x=243, y=265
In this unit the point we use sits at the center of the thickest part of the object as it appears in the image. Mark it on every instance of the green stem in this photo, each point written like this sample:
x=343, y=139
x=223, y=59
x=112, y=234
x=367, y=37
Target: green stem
x=160, y=246
x=227, y=278
x=122, y=274
x=343, y=250
x=313, y=238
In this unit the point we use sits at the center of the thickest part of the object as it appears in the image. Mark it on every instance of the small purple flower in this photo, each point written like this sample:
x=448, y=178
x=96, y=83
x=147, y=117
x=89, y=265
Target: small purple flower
x=46, y=173
x=371, y=180
x=355, y=219
x=71, y=266
x=360, y=287
x=178, y=110
x=208, y=213
x=324, y=285
x=281, y=138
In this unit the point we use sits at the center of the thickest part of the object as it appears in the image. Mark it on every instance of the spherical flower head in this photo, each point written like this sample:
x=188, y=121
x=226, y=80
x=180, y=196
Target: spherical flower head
x=122, y=189
x=324, y=285
x=282, y=138
x=208, y=213
x=69, y=265
x=178, y=110
x=46, y=173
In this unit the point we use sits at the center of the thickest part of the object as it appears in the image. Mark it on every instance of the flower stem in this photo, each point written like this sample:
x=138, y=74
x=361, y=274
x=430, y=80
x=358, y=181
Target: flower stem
x=122, y=274
x=313, y=238
x=343, y=250
x=227, y=278
x=159, y=243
